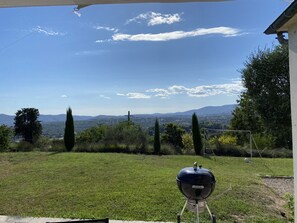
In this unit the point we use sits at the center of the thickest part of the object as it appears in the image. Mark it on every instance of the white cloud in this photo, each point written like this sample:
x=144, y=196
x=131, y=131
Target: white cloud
x=135, y=95
x=155, y=18
x=225, y=31
x=120, y=94
x=105, y=97
x=162, y=93
x=138, y=96
x=115, y=30
x=64, y=96
x=47, y=31
x=233, y=88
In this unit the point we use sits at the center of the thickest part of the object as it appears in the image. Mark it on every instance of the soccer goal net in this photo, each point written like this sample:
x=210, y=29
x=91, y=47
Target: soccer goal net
x=227, y=142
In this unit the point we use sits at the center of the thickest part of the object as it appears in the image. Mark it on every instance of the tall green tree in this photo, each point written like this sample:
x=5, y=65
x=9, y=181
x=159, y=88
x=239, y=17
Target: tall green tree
x=69, y=137
x=173, y=135
x=157, y=144
x=245, y=116
x=197, y=142
x=27, y=125
x=265, y=105
x=5, y=137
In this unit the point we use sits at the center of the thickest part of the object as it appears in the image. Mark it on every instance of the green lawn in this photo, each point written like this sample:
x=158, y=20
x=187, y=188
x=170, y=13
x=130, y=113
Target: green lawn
x=131, y=187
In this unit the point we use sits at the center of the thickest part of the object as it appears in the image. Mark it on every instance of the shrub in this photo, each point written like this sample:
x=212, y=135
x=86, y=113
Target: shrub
x=188, y=144
x=57, y=145
x=168, y=149
x=24, y=146
x=227, y=140
x=112, y=148
x=5, y=137
x=126, y=133
x=43, y=144
x=266, y=141
x=275, y=153
x=92, y=135
x=230, y=150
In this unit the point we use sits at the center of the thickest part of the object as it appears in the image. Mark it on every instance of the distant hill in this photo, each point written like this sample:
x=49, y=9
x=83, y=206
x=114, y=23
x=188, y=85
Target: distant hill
x=62, y=118
x=210, y=116
x=9, y=119
x=205, y=111
x=6, y=120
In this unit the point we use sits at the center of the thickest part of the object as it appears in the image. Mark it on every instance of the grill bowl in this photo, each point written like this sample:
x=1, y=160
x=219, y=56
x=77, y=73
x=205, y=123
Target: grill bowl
x=196, y=183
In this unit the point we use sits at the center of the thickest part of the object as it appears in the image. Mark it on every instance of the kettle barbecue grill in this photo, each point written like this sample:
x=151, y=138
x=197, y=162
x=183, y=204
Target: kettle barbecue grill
x=196, y=184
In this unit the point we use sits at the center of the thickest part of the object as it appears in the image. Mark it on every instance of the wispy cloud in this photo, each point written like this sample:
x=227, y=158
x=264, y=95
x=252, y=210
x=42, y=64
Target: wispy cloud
x=111, y=29
x=47, y=31
x=103, y=41
x=105, y=97
x=64, y=96
x=90, y=53
x=155, y=18
x=135, y=95
x=224, y=31
x=233, y=88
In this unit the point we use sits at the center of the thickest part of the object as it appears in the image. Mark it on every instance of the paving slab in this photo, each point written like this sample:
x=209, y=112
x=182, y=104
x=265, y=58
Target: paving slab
x=17, y=219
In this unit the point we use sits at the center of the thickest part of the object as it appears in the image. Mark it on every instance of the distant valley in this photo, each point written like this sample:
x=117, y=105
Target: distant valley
x=53, y=125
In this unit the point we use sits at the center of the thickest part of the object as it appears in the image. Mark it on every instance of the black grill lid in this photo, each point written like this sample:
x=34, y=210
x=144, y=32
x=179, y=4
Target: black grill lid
x=196, y=183
x=193, y=175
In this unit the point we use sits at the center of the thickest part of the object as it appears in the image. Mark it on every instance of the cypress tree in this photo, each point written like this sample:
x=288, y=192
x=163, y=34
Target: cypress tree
x=196, y=135
x=69, y=137
x=157, y=145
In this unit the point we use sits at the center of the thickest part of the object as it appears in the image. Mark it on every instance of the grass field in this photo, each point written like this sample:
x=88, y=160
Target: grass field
x=132, y=187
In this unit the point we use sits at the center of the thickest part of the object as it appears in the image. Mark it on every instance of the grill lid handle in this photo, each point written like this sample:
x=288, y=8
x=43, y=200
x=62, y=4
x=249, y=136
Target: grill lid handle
x=195, y=166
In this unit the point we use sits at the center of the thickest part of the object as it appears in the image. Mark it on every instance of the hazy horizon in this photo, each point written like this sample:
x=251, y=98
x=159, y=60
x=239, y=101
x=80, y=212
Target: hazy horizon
x=131, y=112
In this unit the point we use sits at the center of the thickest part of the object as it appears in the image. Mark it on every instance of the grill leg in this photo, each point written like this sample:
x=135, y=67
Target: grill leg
x=214, y=219
x=197, y=212
x=178, y=218
x=212, y=216
x=179, y=215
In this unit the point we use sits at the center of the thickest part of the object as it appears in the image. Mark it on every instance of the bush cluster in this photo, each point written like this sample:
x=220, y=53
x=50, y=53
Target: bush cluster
x=128, y=137
x=226, y=145
x=5, y=138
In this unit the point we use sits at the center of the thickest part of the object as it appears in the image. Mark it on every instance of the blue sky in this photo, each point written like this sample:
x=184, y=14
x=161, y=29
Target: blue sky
x=146, y=58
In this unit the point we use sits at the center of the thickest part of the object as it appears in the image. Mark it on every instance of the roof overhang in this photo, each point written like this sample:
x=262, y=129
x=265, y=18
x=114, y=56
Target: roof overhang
x=284, y=21
x=24, y=3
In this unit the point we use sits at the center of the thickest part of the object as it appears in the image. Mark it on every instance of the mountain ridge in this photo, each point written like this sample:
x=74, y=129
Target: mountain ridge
x=204, y=111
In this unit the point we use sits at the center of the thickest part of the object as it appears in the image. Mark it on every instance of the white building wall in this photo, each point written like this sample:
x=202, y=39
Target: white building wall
x=293, y=84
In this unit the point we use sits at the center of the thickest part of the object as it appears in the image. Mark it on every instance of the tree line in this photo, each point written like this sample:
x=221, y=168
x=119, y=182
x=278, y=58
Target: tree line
x=263, y=108
x=126, y=136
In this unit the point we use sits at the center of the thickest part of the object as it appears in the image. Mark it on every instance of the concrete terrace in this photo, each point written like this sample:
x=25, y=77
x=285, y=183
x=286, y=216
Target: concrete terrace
x=17, y=219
